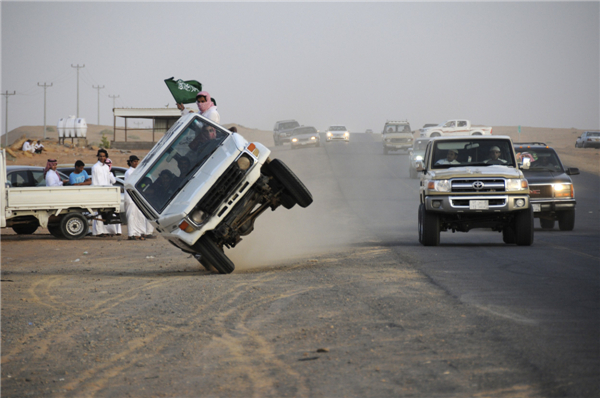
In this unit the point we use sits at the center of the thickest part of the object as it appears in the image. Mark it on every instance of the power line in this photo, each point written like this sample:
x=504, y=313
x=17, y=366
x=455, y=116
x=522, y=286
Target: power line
x=45, y=86
x=78, y=67
x=6, y=115
x=98, y=88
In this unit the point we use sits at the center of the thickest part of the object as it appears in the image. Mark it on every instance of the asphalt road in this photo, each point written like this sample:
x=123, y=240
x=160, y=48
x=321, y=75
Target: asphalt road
x=335, y=300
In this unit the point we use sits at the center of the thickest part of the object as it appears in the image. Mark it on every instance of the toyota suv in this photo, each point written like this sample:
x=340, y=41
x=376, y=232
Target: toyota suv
x=550, y=188
x=473, y=182
x=396, y=135
x=202, y=187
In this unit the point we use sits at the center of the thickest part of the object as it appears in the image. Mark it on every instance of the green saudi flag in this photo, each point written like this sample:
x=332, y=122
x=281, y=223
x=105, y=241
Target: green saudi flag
x=184, y=92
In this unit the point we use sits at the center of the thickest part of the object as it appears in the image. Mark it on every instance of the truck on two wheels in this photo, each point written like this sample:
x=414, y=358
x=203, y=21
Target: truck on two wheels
x=65, y=211
x=473, y=182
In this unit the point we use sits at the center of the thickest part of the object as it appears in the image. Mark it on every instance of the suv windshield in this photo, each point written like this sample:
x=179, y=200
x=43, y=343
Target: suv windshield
x=472, y=152
x=396, y=128
x=288, y=125
x=183, y=158
x=542, y=159
x=420, y=145
x=337, y=128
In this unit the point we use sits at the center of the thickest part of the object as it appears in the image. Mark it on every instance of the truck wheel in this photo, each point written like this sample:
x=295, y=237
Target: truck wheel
x=524, y=227
x=429, y=228
x=508, y=235
x=54, y=229
x=26, y=229
x=74, y=226
x=419, y=225
x=566, y=220
x=287, y=200
x=212, y=255
x=290, y=182
x=476, y=134
x=546, y=223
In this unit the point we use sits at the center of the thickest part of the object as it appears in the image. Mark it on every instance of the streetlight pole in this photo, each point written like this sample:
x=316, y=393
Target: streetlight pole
x=113, y=98
x=98, y=88
x=78, y=67
x=6, y=115
x=45, y=86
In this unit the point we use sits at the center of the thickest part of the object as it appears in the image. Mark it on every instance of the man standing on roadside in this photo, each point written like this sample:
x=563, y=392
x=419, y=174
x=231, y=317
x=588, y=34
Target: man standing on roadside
x=101, y=175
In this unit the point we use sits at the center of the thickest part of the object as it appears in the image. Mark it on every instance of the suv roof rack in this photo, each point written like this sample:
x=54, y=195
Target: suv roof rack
x=396, y=121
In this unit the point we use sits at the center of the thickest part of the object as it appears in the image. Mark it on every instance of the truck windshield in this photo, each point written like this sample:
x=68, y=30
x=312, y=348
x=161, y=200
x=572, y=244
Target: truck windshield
x=472, y=152
x=397, y=128
x=181, y=159
x=542, y=160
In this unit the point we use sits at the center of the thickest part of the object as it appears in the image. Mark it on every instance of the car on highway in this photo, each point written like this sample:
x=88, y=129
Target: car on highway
x=551, y=192
x=28, y=176
x=282, y=131
x=416, y=154
x=396, y=136
x=589, y=139
x=213, y=200
x=305, y=136
x=472, y=182
x=337, y=133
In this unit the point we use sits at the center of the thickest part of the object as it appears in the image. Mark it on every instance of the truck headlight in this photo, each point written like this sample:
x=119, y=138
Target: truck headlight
x=419, y=157
x=346, y=134
x=313, y=138
x=329, y=134
x=198, y=216
x=294, y=139
x=439, y=185
x=563, y=190
x=519, y=184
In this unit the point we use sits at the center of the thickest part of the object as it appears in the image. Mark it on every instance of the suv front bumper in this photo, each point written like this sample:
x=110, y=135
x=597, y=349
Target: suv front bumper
x=548, y=205
x=465, y=204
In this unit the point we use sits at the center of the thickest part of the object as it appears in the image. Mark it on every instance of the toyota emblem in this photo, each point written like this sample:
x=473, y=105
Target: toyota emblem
x=477, y=185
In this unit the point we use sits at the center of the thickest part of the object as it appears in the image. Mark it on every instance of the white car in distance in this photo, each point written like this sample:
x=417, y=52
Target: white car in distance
x=337, y=133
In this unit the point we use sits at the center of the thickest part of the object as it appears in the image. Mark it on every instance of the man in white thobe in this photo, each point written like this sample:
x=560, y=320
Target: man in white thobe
x=101, y=175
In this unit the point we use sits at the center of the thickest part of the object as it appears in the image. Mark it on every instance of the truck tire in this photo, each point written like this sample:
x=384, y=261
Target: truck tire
x=546, y=223
x=508, y=235
x=524, y=227
x=429, y=228
x=566, y=220
x=212, y=255
x=420, y=220
x=74, y=226
x=476, y=133
x=26, y=229
x=287, y=200
x=54, y=229
x=290, y=182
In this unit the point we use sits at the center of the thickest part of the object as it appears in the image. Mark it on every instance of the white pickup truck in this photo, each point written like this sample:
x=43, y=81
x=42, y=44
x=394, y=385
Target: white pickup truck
x=65, y=211
x=454, y=127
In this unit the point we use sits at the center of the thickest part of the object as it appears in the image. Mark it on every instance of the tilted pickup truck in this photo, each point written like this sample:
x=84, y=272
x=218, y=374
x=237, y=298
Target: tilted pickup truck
x=454, y=127
x=473, y=182
x=213, y=198
x=65, y=211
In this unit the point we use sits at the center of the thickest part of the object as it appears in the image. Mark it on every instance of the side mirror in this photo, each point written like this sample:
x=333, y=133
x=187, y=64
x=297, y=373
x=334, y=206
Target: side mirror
x=572, y=171
x=526, y=163
x=419, y=165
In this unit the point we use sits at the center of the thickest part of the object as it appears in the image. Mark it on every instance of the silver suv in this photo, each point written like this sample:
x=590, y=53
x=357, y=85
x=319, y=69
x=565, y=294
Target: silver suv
x=282, y=131
x=202, y=187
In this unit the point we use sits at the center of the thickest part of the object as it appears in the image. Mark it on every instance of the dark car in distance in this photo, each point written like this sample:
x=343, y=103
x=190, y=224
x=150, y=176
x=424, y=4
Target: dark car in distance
x=551, y=189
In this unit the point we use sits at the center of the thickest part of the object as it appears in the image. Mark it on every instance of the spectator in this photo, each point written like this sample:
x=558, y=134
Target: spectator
x=39, y=147
x=79, y=176
x=136, y=222
x=27, y=147
x=101, y=175
x=207, y=107
x=51, y=175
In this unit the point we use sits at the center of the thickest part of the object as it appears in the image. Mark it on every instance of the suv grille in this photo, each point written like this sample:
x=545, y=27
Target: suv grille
x=479, y=185
x=540, y=191
x=222, y=189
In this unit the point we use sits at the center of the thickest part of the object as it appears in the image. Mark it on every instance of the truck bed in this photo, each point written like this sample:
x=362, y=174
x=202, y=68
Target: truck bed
x=56, y=198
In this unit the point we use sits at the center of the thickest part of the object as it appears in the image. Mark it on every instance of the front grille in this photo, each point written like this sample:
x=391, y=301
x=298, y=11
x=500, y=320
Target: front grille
x=479, y=185
x=540, y=191
x=222, y=189
x=148, y=212
x=399, y=140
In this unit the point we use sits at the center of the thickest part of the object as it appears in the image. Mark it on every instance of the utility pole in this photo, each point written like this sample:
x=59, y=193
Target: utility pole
x=6, y=116
x=45, y=86
x=113, y=98
x=78, y=67
x=98, y=88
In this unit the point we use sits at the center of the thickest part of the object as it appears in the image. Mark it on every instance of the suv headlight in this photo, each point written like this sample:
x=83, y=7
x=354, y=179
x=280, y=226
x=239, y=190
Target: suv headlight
x=519, y=184
x=439, y=185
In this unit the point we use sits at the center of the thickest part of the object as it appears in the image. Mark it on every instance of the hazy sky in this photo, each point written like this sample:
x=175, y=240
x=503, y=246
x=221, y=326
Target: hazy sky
x=359, y=63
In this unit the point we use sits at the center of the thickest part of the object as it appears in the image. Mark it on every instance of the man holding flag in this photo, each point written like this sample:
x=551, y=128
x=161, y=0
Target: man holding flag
x=189, y=91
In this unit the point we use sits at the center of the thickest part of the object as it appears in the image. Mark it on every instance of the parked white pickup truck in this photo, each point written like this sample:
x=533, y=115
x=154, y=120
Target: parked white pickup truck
x=454, y=127
x=65, y=211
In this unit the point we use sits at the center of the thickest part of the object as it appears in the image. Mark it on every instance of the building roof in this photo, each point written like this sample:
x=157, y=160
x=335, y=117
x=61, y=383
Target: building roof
x=147, y=113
